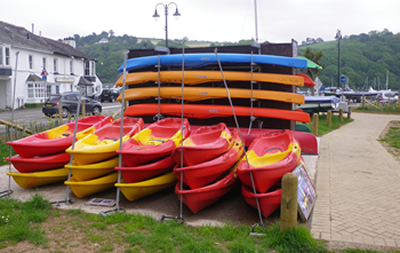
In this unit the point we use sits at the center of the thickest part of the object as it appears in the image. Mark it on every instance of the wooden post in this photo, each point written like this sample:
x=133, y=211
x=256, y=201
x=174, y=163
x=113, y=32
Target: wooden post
x=6, y=123
x=349, y=113
x=362, y=101
x=83, y=109
x=341, y=114
x=315, y=124
x=60, y=111
x=289, y=201
x=329, y=118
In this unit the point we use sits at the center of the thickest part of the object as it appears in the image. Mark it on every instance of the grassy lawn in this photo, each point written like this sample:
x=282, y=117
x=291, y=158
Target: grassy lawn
x=47, y=228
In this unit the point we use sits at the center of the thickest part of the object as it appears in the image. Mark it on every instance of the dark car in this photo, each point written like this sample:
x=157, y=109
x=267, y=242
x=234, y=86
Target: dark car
x=69, y=104
x=109, y=95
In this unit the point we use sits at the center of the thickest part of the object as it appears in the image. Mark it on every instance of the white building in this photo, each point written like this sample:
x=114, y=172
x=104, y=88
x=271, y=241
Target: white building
x=40, y=67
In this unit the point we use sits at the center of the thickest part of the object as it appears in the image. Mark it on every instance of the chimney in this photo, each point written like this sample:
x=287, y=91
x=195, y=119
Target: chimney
x=70, y=41
x=33, y=26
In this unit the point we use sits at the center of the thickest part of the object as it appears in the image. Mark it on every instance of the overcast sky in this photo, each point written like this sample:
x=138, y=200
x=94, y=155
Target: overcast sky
x=211, y=20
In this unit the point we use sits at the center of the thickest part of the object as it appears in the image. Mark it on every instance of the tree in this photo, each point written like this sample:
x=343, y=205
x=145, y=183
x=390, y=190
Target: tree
x=316, y=57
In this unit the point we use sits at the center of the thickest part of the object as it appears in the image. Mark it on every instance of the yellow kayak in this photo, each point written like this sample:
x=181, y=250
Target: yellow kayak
x=91, y=171
x=86, y=188
x=103, y=143
x=201, y=93
x=142, y=189
x=194, y=77
x=35, y=179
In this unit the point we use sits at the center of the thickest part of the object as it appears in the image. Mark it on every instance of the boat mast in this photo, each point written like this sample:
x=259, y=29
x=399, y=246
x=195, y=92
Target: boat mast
x=255, y=15
x=387, y=79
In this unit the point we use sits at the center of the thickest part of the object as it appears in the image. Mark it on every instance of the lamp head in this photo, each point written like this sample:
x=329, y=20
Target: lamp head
x=156, y=16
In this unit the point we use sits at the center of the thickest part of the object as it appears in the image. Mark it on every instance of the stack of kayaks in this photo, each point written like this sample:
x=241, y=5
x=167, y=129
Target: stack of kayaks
x=147, y=163
x=41, y=157
x=205, y=165
x=94, y=157
x=269, y=158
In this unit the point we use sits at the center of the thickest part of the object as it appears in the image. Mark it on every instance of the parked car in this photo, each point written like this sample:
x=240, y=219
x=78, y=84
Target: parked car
x=383, y=97
x=110, y=95
x=69, y=104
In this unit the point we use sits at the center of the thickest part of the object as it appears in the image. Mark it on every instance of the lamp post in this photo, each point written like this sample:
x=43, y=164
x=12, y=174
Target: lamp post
x=176, y=14
x=338, y=37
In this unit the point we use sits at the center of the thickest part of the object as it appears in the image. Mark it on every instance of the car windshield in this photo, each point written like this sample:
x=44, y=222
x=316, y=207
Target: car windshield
x=54, y=98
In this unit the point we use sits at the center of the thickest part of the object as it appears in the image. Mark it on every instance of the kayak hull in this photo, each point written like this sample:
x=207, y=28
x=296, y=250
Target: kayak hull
x=92, y=171
x=200, y=198
x=269, y=202
x=58, y=139
x=154, y=142
x=36, y=179
x=104, y=142
x=135, y=191
x=143, y=172
x=85, y=188
x=205, y=173
x=39, y=163
x=203, y=144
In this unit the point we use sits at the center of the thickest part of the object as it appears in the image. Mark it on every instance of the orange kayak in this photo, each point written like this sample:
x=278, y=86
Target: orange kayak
x=201, y=93
x=199, y=111
x=195, y=77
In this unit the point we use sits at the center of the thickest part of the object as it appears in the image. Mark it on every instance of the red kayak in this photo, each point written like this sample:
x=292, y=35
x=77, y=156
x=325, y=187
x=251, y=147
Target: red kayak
x=202, y=111
x=58, y=139
x=202, y=174
x=204, y=144
x=39, y=163
x=154, y=142
x=269, y=201
x=198, y=199
x=270, y=156
x=103, y=143
x=143, y=172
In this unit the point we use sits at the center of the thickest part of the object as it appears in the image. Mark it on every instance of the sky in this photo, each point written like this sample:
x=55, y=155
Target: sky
x=278, y=21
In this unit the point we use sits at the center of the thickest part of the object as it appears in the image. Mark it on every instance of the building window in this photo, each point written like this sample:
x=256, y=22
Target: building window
x=55, y=65
x=92, y=68
x=87, y=69
x=36, y=90
x=1, y=55
x=8, y=56
x=48, y=90
x=71, y=67
x=30, y=61
x=44, y=62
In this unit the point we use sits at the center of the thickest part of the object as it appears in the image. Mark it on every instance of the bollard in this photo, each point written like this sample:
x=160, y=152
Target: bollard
x=349, y=113
x=341, y=114
x=60, y=112
x=329, y=118
x=315, y=124
x=83, y=109
x=289, y=201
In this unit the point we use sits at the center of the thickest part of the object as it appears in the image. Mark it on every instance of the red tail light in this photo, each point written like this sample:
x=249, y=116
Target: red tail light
x=56, y=103
x=381, y=99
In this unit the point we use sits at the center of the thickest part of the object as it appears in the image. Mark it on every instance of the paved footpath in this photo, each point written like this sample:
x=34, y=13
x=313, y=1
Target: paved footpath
x=358, y=185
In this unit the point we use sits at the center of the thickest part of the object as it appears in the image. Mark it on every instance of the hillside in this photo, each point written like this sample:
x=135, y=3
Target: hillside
x=365, y=55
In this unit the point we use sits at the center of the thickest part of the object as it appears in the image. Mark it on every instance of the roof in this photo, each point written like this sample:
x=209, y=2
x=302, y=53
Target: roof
x=19, y=36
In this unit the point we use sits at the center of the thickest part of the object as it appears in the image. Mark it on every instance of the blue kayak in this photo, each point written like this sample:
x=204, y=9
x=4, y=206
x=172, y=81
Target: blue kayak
x=204, y=59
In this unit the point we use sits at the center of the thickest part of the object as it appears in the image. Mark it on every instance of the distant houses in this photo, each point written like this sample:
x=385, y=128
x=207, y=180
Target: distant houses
x=40, y=67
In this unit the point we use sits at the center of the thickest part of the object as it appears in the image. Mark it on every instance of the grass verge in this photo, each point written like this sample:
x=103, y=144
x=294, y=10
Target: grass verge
x=392, y=137
x=58, y=230
x=323, y=127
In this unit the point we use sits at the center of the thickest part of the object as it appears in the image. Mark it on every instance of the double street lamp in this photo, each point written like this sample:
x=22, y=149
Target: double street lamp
x=338, y=37
x=176, y=14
